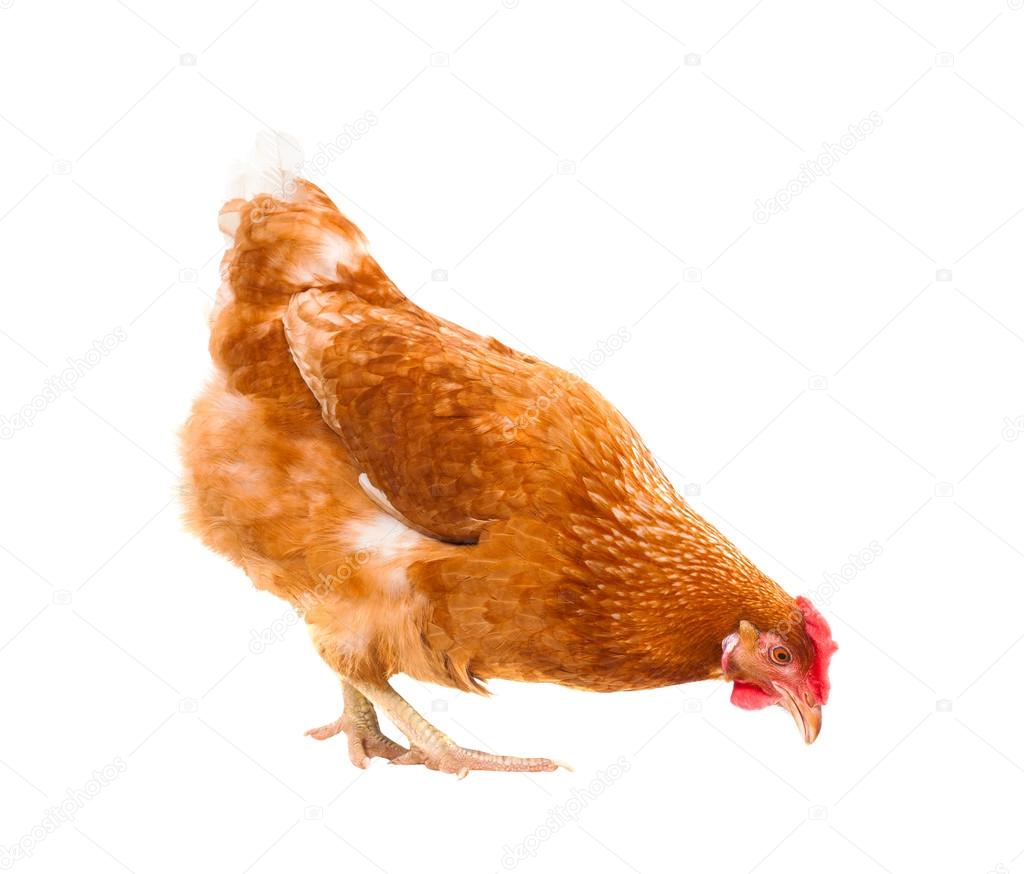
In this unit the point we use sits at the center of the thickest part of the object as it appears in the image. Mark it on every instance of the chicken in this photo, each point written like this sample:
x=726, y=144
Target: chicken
x=437, y=504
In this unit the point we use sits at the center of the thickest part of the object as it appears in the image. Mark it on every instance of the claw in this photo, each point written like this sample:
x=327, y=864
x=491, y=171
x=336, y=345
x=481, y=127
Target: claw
x=364, y=741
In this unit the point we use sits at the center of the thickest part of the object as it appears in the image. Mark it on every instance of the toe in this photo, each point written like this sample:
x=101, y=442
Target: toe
x=325, y=731
x=357, y=753
x=384, y=748
x=411, y=756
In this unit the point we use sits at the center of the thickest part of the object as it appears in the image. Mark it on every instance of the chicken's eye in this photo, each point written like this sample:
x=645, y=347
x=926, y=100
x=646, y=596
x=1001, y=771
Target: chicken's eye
x=781, y=655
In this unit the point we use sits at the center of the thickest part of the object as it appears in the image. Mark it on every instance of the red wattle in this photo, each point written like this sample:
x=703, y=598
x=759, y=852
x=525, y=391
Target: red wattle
x=751, y=697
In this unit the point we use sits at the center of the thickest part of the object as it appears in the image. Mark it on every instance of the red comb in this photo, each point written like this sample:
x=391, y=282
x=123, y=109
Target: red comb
x=821, y=636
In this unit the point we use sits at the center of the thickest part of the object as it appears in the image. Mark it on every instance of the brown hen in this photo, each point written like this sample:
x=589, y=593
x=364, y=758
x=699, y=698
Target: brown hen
x=437, y=504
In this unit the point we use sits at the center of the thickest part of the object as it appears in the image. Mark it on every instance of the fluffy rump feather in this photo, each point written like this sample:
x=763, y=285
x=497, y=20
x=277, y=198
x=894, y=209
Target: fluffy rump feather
x=272, y=168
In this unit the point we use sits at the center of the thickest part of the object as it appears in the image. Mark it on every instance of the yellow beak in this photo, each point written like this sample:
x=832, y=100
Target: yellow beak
x=806, y=715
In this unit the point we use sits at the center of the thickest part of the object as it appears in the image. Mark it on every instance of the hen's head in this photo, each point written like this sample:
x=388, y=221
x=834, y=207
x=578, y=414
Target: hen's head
x=787, y=666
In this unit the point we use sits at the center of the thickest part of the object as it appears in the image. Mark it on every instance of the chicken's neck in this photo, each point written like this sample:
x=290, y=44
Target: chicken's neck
x=666, y=590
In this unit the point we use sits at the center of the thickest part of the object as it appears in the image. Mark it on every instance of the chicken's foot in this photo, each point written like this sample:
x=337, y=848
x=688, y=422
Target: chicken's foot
x=431, y=747
x=359, y=722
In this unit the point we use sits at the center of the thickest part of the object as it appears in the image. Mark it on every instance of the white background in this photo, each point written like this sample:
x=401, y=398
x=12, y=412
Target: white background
x=821, y=379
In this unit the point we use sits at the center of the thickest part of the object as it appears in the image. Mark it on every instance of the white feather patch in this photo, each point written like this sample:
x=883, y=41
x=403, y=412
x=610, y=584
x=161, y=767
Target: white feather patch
x=273, y=164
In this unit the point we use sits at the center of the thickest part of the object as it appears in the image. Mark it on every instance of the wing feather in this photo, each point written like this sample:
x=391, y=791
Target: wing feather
x=456, y=431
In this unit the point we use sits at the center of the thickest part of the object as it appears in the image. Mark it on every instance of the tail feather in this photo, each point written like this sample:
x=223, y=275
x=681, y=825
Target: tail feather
x=274, y=164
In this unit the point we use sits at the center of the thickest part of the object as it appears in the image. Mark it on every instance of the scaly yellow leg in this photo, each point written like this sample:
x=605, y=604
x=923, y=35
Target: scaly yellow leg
x=430, y=746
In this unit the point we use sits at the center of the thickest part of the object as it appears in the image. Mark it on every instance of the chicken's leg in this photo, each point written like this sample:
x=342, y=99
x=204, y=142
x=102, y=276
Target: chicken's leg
x=431, y=747
x=359, y=722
